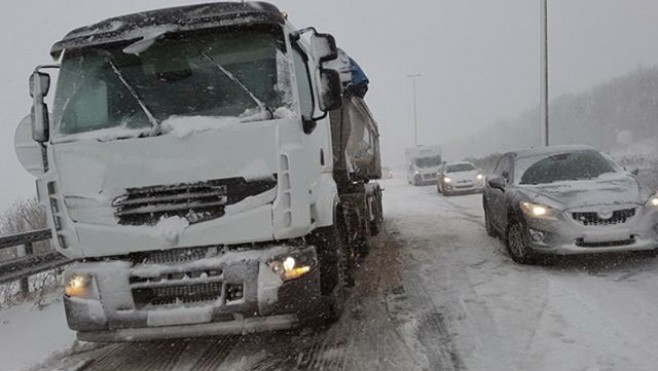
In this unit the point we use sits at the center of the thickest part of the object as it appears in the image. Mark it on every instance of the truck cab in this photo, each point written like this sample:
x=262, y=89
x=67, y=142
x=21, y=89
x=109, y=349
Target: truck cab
x=187, y=165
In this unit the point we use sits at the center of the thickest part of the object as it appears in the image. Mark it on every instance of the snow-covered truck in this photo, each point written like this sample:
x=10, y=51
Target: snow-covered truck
x=208, y=166
x=422, y=163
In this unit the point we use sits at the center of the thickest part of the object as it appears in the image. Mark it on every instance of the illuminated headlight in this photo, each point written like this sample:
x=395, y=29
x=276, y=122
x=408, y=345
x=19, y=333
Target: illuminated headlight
x=538, y=211
x=447, y=180
x=78, y=285
x=653, y=201
x=292, y=267
x=479, y=177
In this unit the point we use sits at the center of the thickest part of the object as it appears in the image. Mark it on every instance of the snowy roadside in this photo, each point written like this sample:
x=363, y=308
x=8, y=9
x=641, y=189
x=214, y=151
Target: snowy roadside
x=28, y=334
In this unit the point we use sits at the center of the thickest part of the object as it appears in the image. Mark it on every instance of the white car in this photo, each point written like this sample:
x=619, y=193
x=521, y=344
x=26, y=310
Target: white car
x=459, y=177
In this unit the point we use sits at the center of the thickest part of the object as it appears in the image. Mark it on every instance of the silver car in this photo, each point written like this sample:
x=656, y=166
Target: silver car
x=459, y=177
x=567, y=200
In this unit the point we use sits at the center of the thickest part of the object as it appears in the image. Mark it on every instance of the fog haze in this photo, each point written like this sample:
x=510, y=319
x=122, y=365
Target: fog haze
x=479, y=59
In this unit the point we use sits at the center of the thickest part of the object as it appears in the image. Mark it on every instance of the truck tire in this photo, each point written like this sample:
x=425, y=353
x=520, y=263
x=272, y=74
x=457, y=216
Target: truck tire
x=379, y=215
x=333, y=270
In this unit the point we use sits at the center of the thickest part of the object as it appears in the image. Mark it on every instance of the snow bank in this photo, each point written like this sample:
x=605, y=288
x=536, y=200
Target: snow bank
x=28, y=335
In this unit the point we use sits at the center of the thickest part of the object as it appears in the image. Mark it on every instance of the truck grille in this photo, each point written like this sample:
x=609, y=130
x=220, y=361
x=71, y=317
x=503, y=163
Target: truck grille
x=165, y=295
x=594, y=219
x=196, y=202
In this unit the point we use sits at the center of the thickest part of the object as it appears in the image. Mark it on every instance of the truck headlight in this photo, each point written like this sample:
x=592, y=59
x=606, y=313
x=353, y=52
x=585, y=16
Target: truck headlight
x=292, y=266
x=78, y=285
x=538, y=211
x=653, y=201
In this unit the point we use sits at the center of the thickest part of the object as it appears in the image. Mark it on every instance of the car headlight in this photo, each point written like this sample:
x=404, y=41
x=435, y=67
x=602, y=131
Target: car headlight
x=447, y=180
x=653, y=201
x=479, y=177
x=538, y=211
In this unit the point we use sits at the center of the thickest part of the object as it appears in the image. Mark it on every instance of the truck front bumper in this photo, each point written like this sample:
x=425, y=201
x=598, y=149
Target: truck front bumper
x=229, y=293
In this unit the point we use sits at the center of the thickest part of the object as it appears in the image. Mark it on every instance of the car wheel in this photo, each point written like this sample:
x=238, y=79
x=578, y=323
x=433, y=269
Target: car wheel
x=491, y=231
x=517, y=243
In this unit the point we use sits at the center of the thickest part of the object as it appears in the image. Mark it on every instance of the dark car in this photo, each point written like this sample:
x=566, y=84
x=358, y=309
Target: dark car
x=567, y=200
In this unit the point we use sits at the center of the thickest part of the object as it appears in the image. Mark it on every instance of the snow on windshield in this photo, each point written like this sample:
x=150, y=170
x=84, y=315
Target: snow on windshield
x=557, y=167
x=168, y=75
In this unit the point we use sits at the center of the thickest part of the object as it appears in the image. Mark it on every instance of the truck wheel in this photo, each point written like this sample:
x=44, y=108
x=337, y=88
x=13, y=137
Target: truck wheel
x=379, y=216
x=333, y=270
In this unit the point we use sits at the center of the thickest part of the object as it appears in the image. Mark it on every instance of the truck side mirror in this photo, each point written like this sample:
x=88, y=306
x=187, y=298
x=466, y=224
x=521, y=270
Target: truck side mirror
x=331, y=91
x=39, y=86
x=323, y=47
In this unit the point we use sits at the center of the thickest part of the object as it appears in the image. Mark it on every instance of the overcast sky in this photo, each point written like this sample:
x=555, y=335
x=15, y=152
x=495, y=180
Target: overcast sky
x=479, y=59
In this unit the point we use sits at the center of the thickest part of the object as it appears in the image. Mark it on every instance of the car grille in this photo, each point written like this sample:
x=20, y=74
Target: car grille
x=195, y=202
x=429, y=176
x=165, y=295
x=580, y=242
x=593, y=218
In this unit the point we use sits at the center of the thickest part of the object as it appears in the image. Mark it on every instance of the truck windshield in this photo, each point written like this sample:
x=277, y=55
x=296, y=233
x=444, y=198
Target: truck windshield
x=428, y=161
x=134, y=86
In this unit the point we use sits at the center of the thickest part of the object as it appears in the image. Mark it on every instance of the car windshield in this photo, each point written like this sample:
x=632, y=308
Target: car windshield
x=458, y=168
x=425, y=162
x=562, y=167
x=138, y=85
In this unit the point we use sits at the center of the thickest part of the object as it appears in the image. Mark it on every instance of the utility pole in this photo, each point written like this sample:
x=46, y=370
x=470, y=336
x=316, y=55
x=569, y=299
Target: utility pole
x=544, y=72
x=413, y=83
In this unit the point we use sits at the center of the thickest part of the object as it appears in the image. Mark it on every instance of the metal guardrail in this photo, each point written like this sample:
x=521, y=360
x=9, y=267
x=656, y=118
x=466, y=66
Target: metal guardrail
x=30, y=263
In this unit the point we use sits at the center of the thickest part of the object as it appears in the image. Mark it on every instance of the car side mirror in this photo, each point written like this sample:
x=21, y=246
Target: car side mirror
x=39, y=86
x=497, y=183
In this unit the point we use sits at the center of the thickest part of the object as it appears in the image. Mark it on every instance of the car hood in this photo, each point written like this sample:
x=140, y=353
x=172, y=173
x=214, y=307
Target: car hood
x=607, y=190
x=462, y=175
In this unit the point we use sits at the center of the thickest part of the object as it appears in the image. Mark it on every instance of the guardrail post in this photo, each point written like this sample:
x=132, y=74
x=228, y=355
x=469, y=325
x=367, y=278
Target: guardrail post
x=25, y=283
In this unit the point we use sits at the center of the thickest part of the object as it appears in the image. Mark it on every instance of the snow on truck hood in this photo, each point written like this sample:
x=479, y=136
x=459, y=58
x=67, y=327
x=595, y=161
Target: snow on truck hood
x=609, y=189
x=194, y=150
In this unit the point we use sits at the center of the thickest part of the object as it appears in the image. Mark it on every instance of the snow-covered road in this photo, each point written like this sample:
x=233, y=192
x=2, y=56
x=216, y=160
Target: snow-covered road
x=437, y=294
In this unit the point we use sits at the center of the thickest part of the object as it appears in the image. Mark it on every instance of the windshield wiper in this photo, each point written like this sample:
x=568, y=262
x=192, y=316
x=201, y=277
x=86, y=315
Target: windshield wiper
x=155, y=123
x=262, y=106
